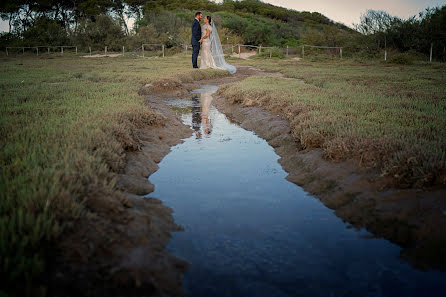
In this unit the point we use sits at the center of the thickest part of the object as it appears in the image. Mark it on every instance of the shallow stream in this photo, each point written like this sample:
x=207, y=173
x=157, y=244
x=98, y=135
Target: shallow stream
x=250, y=232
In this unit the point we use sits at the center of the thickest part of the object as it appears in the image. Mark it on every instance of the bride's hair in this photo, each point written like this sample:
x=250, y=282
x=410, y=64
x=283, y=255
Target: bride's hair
x=209, y=19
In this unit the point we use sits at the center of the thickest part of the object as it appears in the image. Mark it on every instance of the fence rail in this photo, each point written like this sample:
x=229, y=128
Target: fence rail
x=37, y=48
x=161, y=49
x=145, y=47
x=321, y=47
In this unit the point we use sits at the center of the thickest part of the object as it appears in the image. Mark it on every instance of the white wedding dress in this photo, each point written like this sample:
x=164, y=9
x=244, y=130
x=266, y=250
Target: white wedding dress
x=212, y=55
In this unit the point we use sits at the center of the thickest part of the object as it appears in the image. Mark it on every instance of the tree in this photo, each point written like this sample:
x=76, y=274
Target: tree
x=103, y=30
x=45, y=31
x=376, y=23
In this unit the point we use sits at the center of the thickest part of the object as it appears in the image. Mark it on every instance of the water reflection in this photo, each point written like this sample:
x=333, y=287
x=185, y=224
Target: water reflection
x=201, y=121
x=251, y=233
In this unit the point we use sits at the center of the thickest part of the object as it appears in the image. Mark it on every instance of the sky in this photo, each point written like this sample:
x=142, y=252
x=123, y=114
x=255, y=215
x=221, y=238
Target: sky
x=347, y=12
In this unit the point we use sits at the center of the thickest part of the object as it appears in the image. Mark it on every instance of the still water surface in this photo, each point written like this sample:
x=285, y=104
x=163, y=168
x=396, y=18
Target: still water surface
x=250, y=232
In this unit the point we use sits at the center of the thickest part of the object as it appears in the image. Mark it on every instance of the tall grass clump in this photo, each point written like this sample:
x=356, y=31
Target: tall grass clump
x=65, y=126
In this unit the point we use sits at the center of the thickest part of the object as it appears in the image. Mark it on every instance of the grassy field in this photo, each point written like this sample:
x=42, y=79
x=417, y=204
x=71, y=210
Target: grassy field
x=65, y=126
x=388, y=117
x=67, y=122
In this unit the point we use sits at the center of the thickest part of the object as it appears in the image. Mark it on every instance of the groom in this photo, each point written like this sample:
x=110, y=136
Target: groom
x=196, y=38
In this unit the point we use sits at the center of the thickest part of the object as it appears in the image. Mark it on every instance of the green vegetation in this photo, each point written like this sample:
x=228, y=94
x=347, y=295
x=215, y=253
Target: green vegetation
x=415, y=34
x=102, y=23
x=389, y=118
x=95, y=24
x=65, y=126
x=67, y=122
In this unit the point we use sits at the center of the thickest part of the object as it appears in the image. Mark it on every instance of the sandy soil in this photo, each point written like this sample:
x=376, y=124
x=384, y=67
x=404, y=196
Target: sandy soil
x=244, y=55
x=102, y=56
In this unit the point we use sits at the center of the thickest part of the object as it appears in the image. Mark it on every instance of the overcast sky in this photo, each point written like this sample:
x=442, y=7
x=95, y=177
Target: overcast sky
x=345, y=11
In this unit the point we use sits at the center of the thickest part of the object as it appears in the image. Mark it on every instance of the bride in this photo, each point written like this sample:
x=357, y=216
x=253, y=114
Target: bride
x=212, y=55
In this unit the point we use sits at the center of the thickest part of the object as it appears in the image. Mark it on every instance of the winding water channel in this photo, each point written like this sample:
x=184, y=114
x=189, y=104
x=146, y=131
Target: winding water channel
x=250, y=232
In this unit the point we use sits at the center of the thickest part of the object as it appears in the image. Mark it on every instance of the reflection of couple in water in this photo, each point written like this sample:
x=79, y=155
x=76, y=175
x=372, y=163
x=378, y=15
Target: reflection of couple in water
x=200, y=114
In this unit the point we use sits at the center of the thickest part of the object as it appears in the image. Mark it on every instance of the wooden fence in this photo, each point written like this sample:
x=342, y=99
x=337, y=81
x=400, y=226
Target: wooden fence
x=161, y=49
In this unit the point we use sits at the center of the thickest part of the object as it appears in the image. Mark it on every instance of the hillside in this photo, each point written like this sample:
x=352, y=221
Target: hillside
x=99, y=23
x=252, y=21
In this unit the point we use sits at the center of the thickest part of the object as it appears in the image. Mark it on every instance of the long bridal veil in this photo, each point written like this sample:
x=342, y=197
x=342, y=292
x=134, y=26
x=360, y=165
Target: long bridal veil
x=217, y=52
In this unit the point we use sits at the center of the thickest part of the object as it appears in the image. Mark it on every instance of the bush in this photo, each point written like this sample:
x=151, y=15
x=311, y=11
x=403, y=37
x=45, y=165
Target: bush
x=45, y=31
x=100, y=32
x=402, y=59
x=9, y=39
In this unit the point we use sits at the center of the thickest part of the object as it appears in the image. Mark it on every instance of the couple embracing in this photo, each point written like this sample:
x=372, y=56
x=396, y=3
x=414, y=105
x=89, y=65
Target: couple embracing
x=206, y=37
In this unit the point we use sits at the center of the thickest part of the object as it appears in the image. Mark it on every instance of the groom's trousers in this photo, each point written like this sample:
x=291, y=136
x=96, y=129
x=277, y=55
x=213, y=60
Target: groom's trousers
x=195, y=52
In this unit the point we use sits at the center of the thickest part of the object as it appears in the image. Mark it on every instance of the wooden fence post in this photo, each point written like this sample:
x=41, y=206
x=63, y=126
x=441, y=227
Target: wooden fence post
x=48, y=51
x=385, y=55
x=143, y=50
x=340, y=52
x=76, y=50
x=23, y=51
x=239, y=55
x=7, y=52
x=270, y=53
x=61, y=49
x=37, y=50
x=163, y=50
x=89, y=49
x=123, y=50
x=430, y=54
x=105, y=50
x=287, y=50
x=260, y=50
x=303, y=51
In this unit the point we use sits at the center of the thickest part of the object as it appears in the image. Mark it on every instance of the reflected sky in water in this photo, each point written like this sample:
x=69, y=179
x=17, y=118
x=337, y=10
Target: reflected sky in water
x=250, y=232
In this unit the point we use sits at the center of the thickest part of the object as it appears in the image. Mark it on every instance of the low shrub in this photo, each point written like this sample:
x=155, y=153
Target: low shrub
x=402, y=59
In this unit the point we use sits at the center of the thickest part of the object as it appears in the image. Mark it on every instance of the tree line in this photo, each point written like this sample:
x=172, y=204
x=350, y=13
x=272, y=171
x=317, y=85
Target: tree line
x=103, y=22
x=99, y=23
x=416, y=34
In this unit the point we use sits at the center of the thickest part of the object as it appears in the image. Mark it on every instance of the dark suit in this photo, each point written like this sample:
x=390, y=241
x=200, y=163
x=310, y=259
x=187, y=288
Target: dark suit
x=195, y=41
x=196, y=113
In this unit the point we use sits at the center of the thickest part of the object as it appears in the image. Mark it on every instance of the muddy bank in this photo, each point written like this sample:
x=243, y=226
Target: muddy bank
x=118, y=247
x=414, y=219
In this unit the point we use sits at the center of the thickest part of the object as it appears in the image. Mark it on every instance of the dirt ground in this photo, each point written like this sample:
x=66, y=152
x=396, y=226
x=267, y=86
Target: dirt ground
x=244, y=55
x=102, y=56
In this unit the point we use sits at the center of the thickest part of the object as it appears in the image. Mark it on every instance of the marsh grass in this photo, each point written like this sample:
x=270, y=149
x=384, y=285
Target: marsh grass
x=65, y=126
x=391, y=118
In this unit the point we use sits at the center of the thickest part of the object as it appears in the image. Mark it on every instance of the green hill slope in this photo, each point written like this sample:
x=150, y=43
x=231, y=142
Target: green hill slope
x=248, y=21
